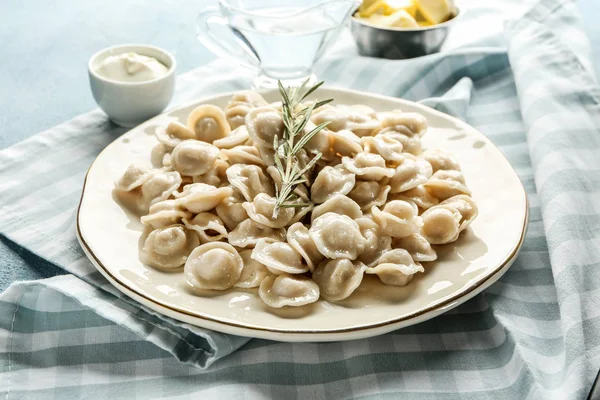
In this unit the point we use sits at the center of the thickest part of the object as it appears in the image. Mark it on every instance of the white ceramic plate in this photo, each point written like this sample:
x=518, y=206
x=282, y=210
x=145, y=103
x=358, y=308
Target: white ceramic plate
x=109, y=236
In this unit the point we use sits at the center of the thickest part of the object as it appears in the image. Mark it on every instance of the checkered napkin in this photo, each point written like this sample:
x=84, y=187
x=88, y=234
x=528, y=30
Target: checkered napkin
x=533, y=334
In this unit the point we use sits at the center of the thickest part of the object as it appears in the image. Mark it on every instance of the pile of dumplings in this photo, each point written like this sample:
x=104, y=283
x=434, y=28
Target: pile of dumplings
x=374, y=203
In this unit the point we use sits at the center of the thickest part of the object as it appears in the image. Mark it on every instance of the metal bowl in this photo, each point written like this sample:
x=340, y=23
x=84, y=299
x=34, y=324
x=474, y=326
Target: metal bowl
x=400, y=43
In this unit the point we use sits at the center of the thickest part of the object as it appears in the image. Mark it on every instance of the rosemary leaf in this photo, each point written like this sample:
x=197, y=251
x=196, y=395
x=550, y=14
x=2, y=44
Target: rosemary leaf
x=306, y=138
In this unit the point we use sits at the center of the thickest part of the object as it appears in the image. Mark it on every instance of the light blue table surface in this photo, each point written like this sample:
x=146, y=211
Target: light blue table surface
x=44, y=49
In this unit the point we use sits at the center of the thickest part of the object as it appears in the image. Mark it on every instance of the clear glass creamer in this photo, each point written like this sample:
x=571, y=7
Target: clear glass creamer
x=279, y=39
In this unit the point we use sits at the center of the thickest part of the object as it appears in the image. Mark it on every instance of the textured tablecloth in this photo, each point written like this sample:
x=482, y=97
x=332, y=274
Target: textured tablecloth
x=533, y=334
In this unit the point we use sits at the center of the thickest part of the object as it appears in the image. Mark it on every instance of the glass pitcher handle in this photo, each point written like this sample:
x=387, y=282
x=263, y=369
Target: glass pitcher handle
x=237, y=47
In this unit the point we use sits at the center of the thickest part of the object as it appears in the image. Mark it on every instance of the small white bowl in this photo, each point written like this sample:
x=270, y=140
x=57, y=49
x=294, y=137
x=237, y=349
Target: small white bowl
x=130, y=103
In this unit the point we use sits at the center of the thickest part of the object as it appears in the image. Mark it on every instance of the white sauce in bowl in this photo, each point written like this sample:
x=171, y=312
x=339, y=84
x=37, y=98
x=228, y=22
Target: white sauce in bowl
x=131, y=67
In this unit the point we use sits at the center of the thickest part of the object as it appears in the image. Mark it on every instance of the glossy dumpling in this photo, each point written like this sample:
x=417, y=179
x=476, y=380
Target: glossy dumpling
x=200, y=197
x=237, y=137
x=288, y=290
x=441, y=160
x=368, y=167
x=231, y=210
x=262, y=208
x=466, y=206
x=387, y=147
x=173, y=134
x=240, y=104
x=193, y=157
x=418, y=247
x=410, y=123
x=168, y=247
x=208, y=123
x=250, y=180
x=264, y=123
x=359, y=119
x=297, y=236
x=441, y=224
x=164, y=213
x=208, y=226
x=411, y=172
x=338, y=279
x=217, y=176
x=396, y=268
x=376, y=243
x=337, y=236
x=368, y=194
x=243, y=155
x=345, y=143
x=157, y=188
x=447, y=183
x=338, y=204
x=158, y=155
x=331, y=180
x=319, y=143
x=279, y=257
x=249, y=232
x=135, y=175
x=418, y=195
x=214, y=265
x=253, y=273
x=398, y=218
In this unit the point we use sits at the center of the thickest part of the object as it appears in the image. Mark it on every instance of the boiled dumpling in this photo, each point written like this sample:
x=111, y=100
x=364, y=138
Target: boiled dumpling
x=319, y=143
x=208, y=123
x=302, y=212
x=243, y=155
x=440, y=160
x=238, y=137
x=410, y=173
x=217, y=176
x=262, y=208
x=441, y=224
x=418, y=195
x=264, y=123
x=168, y=247
x=158, y=188
x=337, y=236
x=368, y=167
x=345, y=143
x=338, y=279
x=288, y=290
x=209, y=227
x=279, y=257
x=338, y=204
x=240, y=104
x=193, y=157
x=329, y=181
x=356, y=118
x=418, y=247
x=164, y=213
x=368, y=194
x=447, y=183
x=398, y=218
x=231, y=210
x=297, y=236
x=160, y=156
x=249, y=232
x=250, y=180
x=387, y=147
x=135, y=175
x=396, y=268
x=376, y=243
x=200, y=197
x=253, y=273
x=214, y=265
x=410, y=123
x=465, y=206
x=173, y=134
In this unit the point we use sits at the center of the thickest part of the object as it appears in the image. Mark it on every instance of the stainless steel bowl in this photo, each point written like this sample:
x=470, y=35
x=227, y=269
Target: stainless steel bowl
x=399, y=43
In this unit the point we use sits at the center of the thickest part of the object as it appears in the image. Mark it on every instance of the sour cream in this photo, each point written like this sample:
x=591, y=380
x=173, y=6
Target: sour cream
x=131, y=67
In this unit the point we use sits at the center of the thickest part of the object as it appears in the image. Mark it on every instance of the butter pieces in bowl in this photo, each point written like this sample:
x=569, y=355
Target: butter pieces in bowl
x=402, y=28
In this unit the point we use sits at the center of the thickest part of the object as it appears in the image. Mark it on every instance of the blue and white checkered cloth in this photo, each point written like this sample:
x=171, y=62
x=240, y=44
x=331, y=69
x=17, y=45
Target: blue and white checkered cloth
x=534, y=334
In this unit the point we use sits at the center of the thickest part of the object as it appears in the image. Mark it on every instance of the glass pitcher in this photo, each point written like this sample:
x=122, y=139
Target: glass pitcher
x=278, y=39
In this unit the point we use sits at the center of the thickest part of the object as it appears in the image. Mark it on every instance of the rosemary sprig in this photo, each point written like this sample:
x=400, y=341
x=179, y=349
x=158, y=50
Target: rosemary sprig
x=294, y=139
